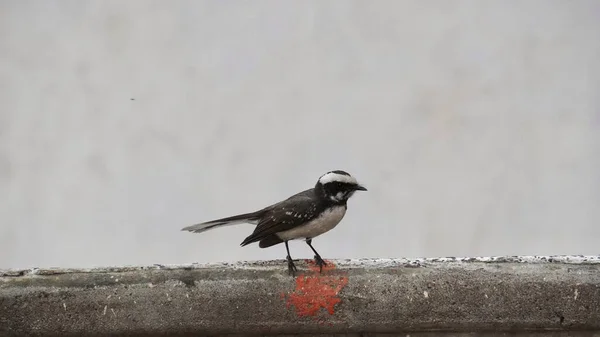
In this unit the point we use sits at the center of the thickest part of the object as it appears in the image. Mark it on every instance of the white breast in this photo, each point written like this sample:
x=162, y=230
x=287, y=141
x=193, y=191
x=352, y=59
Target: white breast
x=324, y=223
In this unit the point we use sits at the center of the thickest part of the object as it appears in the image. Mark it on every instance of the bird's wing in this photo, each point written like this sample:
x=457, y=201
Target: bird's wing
x=287, y=214
x=251, y=218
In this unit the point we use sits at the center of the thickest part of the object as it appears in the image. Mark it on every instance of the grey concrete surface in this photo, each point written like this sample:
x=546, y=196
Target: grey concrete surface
x=518, y=295
x=475, y=126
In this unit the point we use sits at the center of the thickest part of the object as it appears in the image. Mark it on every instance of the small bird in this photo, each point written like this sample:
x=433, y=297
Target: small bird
x=304, y=215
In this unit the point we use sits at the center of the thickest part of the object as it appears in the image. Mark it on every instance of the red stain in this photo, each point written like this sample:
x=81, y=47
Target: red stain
x=317, y=291
x=313, y=266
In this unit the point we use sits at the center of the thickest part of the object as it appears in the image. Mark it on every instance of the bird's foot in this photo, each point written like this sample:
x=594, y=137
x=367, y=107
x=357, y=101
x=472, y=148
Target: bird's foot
x=320, y=262
x=291, y=266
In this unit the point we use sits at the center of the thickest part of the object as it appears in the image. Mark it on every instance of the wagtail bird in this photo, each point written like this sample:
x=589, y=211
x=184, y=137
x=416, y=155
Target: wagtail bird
x=305, y=215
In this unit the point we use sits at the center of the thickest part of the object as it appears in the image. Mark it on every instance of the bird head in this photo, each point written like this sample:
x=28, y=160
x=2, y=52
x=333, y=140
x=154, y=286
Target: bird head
x=338, y=186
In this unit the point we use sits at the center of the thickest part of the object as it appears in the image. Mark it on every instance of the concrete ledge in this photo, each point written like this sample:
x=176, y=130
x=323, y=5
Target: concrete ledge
x=520, y=295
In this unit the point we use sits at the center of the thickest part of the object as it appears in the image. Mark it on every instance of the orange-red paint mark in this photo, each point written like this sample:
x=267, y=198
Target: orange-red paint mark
x=313, y=266
x=318, y=291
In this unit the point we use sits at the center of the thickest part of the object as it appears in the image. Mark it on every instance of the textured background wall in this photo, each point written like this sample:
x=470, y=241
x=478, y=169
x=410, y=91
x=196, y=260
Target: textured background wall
x=475, y=126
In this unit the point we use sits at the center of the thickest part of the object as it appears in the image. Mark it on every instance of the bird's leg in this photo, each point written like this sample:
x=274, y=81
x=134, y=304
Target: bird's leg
x=318, y=260
x=291, y=267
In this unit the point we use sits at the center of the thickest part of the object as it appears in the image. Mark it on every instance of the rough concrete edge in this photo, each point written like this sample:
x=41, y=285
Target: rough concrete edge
x=345, y=263
x=579, y=271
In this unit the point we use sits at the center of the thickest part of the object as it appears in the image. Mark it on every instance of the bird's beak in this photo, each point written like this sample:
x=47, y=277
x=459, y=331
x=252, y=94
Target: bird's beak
x=360, y=188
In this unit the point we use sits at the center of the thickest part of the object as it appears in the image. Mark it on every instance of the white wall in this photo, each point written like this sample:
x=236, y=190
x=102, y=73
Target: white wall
x=475, y=126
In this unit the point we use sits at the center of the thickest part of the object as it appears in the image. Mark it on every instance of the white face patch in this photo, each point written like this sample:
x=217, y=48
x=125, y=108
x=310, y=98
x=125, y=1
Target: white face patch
x=338, y=197
x=336, y=177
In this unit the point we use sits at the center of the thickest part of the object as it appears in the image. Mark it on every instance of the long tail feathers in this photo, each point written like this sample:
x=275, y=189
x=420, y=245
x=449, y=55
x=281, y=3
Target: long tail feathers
x=251, y=218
